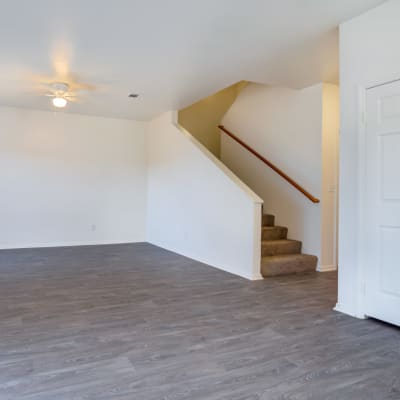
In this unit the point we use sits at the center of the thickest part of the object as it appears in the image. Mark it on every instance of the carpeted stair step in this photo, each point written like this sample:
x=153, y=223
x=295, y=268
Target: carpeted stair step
x=288, y=264
x=278, y=247
x=274, y=232
x=268, y=220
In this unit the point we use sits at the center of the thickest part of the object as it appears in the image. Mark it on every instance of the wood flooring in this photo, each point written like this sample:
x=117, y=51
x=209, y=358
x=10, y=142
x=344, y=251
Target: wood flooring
x=135, y=322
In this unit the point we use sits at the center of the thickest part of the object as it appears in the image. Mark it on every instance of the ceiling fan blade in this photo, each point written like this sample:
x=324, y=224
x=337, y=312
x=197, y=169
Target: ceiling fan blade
x=39, y=82
x=80, y=86
x=74, y=99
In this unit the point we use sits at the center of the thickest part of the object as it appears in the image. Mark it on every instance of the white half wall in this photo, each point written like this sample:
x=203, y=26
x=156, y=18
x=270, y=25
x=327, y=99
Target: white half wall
x=70, y=180
x=196, y=206
x=286, y=127
x=369, y=55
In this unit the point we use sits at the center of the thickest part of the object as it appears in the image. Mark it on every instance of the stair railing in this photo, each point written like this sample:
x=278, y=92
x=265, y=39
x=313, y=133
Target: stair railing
x=269, y=163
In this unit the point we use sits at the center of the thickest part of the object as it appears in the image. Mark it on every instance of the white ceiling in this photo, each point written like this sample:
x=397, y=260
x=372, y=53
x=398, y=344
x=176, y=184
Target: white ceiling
x=171, y=52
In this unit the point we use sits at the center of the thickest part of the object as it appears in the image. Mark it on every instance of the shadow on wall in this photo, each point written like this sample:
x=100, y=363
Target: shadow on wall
x=202, y=118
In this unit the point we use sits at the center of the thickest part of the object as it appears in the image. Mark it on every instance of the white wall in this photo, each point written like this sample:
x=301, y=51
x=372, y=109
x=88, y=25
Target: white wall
x=285, y=126
x=369, y=55
x=196, y=206
x=70, y=179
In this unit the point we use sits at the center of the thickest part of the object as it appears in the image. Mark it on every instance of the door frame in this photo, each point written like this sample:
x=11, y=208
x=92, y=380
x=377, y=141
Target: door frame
x=361, y=189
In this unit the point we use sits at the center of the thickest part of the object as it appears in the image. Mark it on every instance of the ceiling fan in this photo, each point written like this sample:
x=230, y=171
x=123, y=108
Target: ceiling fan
x=63, y=86
x=60, y=93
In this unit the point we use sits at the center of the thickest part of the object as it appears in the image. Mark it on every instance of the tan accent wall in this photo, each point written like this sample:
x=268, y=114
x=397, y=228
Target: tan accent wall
x=330, y=162
x=202, y=118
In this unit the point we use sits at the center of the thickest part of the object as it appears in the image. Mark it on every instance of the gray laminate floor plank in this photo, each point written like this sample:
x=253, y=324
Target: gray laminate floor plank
x=134, y=321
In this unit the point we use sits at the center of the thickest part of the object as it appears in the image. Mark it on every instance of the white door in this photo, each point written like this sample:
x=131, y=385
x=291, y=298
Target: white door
x=381, y=247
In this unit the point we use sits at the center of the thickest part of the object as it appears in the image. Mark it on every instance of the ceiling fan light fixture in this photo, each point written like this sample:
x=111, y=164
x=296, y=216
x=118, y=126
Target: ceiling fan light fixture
x=59, y=102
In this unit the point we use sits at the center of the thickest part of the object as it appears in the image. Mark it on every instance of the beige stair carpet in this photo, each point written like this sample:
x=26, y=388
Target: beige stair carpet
x=280, y=255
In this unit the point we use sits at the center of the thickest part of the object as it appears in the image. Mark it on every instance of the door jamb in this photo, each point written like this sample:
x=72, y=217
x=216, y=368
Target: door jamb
x=361, y=175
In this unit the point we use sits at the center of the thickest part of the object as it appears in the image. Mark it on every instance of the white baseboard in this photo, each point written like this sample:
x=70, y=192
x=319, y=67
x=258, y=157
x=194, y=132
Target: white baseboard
x=196, y=257
x=70, y=244
x=326, y=268
x=352, y=313
x=256, y=277
x=124, y=241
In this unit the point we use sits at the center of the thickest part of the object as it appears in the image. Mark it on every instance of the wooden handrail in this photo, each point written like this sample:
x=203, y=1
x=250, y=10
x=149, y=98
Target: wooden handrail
x=272, y=166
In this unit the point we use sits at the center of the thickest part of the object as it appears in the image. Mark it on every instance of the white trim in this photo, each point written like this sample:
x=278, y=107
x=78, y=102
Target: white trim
x=359, y=311
x=254, y=277
x=195, y=257
x=257, y=233
x=343, y=310
x=326, y=268
x=69, y=244
x=361, y=177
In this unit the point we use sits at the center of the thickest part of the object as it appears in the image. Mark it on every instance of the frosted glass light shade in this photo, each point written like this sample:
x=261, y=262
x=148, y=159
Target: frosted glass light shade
x=59, y=102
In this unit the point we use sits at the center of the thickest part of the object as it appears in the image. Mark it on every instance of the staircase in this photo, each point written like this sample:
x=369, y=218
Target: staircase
x=279, y=255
